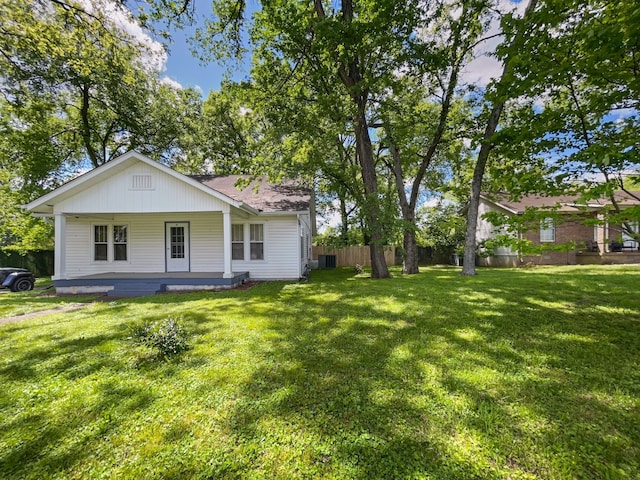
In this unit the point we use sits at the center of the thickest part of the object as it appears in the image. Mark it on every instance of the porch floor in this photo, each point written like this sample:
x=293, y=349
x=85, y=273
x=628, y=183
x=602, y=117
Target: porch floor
x=127, y=275
x=135, y=284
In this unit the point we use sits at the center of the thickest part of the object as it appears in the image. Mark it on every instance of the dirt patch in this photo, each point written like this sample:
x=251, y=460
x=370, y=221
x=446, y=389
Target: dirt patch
x=247, y=285
x=42, y=313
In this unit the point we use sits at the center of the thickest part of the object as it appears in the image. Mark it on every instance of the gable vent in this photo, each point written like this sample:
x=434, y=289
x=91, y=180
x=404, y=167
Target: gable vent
x=141, y=182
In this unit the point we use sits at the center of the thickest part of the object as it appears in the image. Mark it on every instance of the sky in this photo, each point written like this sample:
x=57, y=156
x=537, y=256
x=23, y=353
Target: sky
x=186, y=70
x=183, y=69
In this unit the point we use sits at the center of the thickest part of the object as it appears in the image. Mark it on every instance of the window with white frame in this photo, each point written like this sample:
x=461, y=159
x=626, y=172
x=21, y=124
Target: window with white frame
x=256, y=241
x=100, y=243
x=110, y=244
x=547, y=230
x=120, y=242
x=237, y=242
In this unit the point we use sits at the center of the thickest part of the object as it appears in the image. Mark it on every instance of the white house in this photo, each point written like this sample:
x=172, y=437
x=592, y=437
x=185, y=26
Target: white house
x=134, y=226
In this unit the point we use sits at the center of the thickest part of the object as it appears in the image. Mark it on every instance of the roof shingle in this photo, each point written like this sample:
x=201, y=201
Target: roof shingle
x=563, y=203
x=263, y=196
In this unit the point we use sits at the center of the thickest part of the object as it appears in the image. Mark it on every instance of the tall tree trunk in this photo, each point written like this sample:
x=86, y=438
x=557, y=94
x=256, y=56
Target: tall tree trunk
x=469, y=265
x=350, y=75
x=408, y=205
x=85, y=130
x=379, y=267
x=344, y=222
x=410, y=246
x=410, y=259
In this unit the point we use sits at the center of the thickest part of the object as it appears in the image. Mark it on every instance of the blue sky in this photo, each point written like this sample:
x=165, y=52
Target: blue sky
x=187, y=70
x=183, y=68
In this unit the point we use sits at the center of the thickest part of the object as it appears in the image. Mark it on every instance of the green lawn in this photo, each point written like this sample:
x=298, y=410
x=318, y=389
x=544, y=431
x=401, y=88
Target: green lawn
x=42, y=297
x=513, y=374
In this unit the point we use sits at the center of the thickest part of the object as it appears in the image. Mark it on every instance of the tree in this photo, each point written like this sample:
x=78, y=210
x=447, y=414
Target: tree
x=77, y=90
x=416, y=117
x=346, y=55
x=97, y=77
x=441, y=227
x=575, y=82
x=469, y=263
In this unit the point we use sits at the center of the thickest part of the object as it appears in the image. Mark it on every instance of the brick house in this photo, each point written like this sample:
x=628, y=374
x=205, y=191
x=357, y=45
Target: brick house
x=573, y=233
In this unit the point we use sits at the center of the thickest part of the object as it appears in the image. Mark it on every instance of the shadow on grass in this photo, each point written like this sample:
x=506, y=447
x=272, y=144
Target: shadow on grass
x=82, y=383
x=521, y=375
x=56, y=442
x=474, y=381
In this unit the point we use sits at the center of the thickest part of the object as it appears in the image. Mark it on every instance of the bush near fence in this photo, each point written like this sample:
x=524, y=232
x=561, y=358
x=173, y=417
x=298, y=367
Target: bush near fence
x=39, y=262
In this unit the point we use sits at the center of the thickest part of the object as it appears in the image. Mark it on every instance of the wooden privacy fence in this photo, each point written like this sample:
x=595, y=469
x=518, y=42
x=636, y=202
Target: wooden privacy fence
x=350, y=256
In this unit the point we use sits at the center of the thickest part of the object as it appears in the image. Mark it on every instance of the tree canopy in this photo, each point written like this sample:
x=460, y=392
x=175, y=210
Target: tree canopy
x=365, y=100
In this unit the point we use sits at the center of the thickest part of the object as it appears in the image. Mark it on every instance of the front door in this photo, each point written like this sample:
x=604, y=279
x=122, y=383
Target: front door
x=177, y=244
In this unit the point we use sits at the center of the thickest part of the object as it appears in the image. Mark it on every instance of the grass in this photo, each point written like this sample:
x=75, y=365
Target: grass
x=41, y=298
x=513, y=374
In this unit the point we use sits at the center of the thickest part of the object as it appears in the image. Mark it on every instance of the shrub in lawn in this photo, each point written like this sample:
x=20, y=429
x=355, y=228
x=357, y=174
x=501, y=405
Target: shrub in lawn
x=167, y=336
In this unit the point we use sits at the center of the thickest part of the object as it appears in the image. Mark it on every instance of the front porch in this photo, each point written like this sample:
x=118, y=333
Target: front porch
x=137, y=284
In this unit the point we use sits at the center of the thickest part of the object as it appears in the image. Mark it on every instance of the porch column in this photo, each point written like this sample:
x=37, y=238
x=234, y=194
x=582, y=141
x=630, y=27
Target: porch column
x=59, y=256
x=226, y=240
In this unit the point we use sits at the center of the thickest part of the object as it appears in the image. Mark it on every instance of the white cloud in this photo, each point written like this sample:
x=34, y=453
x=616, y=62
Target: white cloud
x=171, y=82
x=486, y=67
x=153, y=54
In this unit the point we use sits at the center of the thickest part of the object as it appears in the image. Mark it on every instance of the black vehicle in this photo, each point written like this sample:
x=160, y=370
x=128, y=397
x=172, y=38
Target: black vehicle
x=16, y=279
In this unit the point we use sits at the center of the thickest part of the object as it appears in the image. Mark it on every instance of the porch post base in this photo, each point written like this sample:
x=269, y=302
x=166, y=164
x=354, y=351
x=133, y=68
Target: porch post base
x=228, y=275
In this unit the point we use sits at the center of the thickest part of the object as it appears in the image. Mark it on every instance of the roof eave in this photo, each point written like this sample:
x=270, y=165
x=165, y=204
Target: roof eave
x=247, y=208
x=284, y=212
x=499, y=205
x=50, y=198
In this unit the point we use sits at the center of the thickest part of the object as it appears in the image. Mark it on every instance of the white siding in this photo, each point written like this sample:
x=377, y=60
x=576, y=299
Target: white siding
x=281, y=249
x=305, y=238
x=206, y=243
x=117, y=194
x=486, y=230
x=147, y=244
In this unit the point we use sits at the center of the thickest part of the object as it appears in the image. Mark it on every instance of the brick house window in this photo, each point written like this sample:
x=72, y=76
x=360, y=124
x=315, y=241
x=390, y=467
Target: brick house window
x=547, y=230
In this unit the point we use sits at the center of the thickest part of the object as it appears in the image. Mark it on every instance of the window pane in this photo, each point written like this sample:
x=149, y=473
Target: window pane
x=237, y=233
x=257, y=251
x=100, y=234
x=257, y=232
x=547, y=230
x=237, y=251
x=100, y=252
x=120, y=242
x=120, y=252
x=100, y=239
x=119, y=234
x=177, y=242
